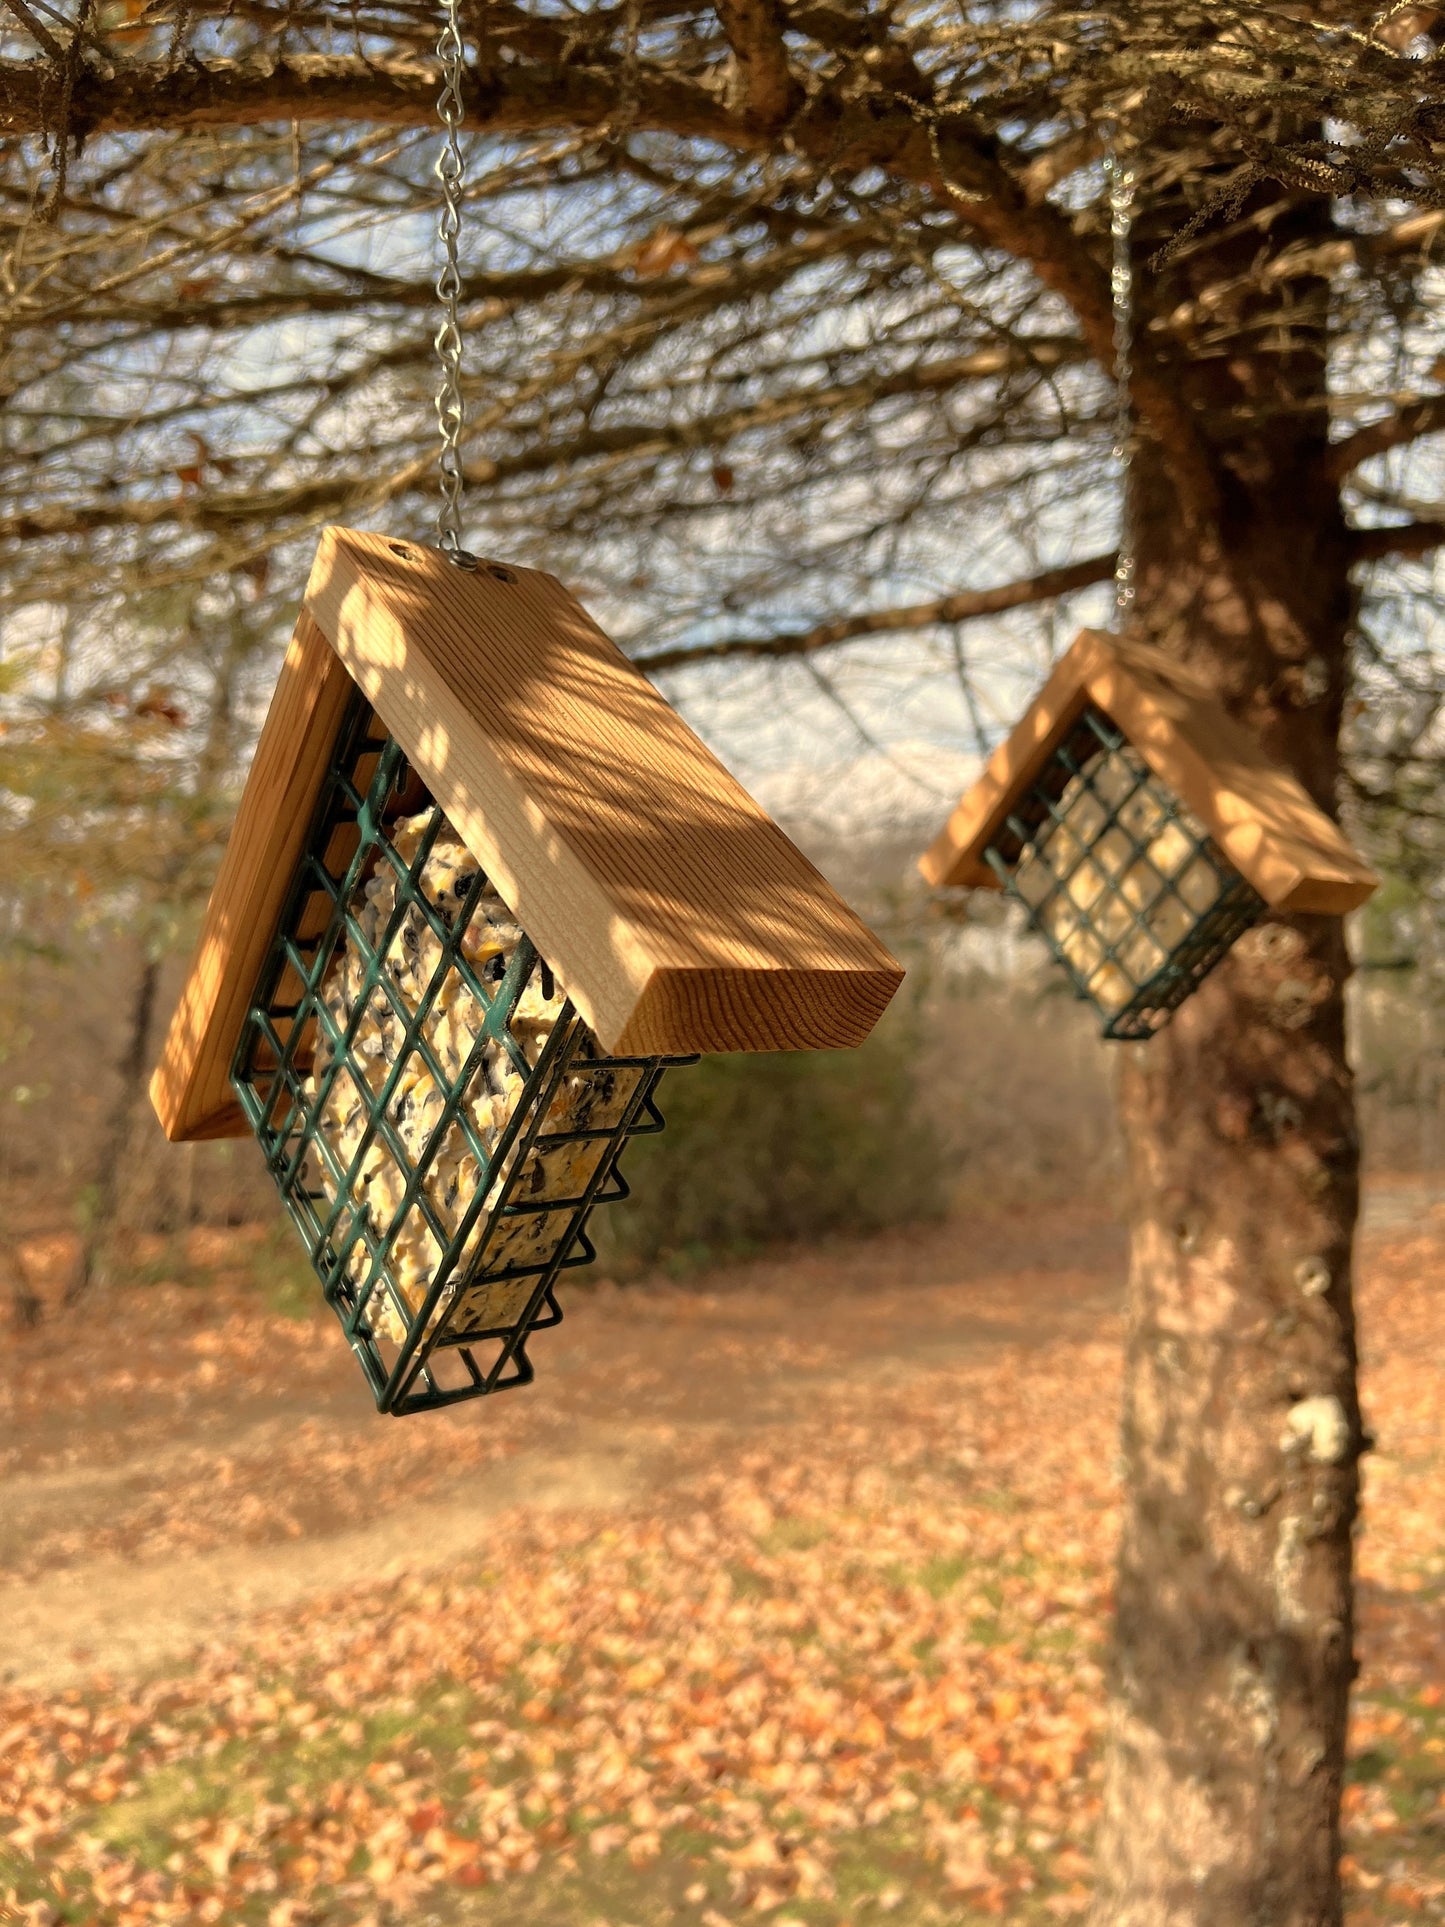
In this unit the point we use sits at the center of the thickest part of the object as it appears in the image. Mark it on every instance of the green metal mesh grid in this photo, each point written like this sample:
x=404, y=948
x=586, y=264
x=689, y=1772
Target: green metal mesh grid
x=436, y=1115
x=1121, y=879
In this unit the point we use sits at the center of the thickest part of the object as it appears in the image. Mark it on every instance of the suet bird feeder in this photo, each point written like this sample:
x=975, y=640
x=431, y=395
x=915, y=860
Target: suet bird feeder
x=484, y=886
x=1142, y=830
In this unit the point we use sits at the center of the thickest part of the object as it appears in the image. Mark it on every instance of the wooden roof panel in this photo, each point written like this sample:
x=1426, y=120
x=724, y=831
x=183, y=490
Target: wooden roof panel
x=1259, y=813
x=677, y=915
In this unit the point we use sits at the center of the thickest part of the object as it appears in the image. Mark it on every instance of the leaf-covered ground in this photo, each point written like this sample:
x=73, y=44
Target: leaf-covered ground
x=833, y=1655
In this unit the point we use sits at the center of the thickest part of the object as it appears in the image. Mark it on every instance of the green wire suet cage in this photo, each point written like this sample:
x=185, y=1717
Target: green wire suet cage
x=1129, y=890
x=438, y=1119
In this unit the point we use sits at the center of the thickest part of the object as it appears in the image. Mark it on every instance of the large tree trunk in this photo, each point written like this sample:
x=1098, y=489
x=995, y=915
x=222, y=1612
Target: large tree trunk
x=1241, y=1428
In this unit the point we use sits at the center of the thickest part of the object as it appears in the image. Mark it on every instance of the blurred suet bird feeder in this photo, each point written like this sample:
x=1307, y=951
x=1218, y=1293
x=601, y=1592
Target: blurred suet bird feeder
x=483, y=887
x=1142, y=830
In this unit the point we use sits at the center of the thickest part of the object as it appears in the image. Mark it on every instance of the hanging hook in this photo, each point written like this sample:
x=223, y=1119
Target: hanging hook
x=451, y=172
x=1119, y=172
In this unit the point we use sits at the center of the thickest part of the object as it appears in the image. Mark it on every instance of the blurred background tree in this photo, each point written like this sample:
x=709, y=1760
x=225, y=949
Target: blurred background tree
x=116, y=790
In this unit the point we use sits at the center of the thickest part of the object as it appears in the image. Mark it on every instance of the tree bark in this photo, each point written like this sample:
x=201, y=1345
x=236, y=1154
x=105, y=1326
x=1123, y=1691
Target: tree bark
x=24, y=1302
x=100, y=1229
x=1241, y=1429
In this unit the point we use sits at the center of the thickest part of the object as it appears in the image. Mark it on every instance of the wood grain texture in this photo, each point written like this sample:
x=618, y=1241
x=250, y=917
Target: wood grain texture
x=955, y=857
x=676, y=914
x=1262, y=818
x=191, y=1088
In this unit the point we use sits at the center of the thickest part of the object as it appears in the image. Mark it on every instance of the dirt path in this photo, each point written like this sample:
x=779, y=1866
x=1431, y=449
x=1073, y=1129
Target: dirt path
x=123, y=1616
x=187, y=1457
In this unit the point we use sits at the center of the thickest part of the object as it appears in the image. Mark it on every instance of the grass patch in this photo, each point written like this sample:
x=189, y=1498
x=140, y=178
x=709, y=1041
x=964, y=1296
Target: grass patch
x=234, y=1780
x=937, y=1578
x=1371, y=1765
x=144, y=1825
x=925, y=1652
x=1000, y=1499
x=880, y=1874
x=1394, y=1801
x=1054, y=1639
x=794, y=1535
x=941, y=1575
x=747, y=1583
x=284, y=1278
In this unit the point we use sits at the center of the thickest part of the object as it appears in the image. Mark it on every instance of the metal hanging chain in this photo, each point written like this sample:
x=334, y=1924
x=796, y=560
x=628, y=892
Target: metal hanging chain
x=1122, y=181
x=451, y=172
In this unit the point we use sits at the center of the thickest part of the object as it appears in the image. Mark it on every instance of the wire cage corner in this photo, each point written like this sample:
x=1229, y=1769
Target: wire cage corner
x=1131, y=893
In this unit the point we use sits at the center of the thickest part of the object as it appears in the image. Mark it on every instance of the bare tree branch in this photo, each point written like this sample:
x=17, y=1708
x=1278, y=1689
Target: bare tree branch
x=1424, y=417
x=217, y=509
x=41, y=33
x=767, y=91
x=1276, y=268
x=1405, y=539
x=967, y=605
x=962, y=169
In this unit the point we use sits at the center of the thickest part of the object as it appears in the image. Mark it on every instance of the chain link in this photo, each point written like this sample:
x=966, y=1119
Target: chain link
x=451, y=172
x=1122, y=180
